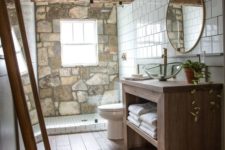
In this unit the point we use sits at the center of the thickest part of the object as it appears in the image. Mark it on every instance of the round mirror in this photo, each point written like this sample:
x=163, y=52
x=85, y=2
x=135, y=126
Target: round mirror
x=184, y=23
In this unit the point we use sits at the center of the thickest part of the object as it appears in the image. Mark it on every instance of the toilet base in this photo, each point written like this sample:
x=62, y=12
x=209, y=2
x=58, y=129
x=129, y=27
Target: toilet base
x=115, y=130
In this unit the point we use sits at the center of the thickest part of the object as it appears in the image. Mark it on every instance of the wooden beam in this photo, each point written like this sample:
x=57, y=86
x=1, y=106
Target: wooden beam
x=191, y=2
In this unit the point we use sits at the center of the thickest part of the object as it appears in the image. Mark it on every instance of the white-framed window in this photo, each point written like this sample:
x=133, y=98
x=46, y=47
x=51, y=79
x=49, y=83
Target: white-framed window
x=79, y=42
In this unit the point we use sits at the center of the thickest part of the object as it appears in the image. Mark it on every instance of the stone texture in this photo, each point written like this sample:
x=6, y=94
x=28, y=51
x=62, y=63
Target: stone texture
x=31, y=98
x=40, y=2
x=110, y=29
x=80, y=86
x=78, y=12
x=112, y=77
x=44, y=93
x=75, y=71
x=29, y=105
x=56, y=12
x=98, y=69
x=63, y=93
x=41, y=16
x=27, y=89
x=113, y=40
x=98, y=79
x=33, y=116
x=42, y=57
x=44, y=71
x=50, y=37
x=102, y=64
x=103, y=39
x=100, y=48
x=110, y=97
x=68, y=80
x=74, y=96
x=25, y=79
x=65, y=72
x=40, y=9
x=44, y=26
x=108, y=5
x=96, y=90
x=48, y=107
x=100, y=26
x=48, y=44
x=82, y=96
x=112, y=18
x=39, y=45
x=56, y=25
x=88, y=108
x=75, y=90
x=49, y=82
x=55, y=63
x=69, y=108
x=54, y=49
x=113, y=68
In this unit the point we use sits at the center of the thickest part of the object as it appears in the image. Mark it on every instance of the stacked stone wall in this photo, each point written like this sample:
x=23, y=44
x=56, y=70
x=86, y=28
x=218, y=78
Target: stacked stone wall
x=78, y=89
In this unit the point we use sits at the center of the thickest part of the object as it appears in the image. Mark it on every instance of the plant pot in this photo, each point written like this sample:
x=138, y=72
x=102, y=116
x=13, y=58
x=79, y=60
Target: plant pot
x=189, y=75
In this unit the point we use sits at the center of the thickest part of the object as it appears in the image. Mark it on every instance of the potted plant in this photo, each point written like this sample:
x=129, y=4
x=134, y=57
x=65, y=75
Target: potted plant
x=194, y=71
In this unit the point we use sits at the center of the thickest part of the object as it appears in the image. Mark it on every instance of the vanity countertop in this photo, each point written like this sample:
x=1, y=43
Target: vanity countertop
x=168, y=86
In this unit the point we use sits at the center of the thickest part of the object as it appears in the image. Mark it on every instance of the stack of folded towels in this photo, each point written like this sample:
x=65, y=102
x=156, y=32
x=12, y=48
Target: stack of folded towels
x=149, y=123
x=144, y=116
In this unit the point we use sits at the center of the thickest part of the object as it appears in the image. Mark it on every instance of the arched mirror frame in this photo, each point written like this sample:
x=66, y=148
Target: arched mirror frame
x=200, y=34
x=15, y=80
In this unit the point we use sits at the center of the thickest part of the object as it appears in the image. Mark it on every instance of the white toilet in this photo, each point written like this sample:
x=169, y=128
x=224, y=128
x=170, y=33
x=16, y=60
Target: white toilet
x=114, y=114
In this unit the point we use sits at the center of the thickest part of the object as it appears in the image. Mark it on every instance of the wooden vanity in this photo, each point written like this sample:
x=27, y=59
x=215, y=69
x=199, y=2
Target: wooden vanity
x=189, y=116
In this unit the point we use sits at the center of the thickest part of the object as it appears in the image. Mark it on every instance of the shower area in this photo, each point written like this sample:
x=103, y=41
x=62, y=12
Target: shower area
x=69, y=96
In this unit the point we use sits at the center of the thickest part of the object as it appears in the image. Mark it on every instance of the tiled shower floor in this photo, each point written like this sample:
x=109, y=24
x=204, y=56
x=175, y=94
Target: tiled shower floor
x=72, y=124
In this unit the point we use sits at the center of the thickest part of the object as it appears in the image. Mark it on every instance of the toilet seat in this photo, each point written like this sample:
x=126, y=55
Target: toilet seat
x=111, y=107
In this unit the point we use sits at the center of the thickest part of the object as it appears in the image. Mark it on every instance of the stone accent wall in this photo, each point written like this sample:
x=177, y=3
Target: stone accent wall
x=29, y=98
x=78, y=89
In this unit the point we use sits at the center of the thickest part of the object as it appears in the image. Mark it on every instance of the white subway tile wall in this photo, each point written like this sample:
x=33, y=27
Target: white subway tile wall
x=142, y=31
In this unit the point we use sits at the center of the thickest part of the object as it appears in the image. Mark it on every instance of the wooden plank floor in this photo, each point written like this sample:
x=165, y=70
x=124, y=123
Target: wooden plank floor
x=83, y=141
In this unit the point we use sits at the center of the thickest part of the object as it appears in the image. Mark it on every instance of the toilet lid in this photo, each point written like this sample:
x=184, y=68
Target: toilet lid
x=111, y=107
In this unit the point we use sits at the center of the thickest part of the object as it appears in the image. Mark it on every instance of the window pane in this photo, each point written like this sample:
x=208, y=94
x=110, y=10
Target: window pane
x=78, y=32
x=79, y=55
x=90, y=32
x=66, y=28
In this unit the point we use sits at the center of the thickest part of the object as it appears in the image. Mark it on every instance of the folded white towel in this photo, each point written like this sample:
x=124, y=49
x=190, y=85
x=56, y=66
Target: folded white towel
x=135, y=122
x=149, y=132
x=140, y=109
x=149, y=118
x=148, y=126
x=136, y=117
